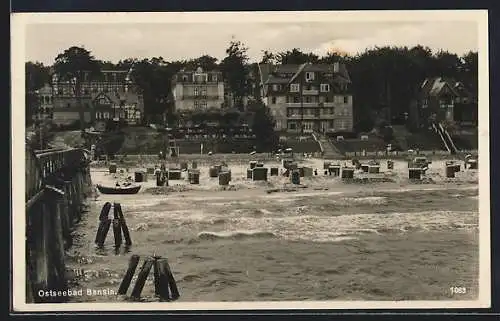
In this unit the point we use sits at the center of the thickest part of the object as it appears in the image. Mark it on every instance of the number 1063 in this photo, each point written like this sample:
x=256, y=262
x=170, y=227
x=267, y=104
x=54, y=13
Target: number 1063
x=458, y=290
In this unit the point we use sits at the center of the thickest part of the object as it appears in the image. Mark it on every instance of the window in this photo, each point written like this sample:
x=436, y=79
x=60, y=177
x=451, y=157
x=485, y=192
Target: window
x=196, y=91
x=292, y=126
x=204, y=91
x=68, y=105
x=346, y=99
x=325, y=88
x=308, y=99
x=184, y=78
x=204, y=104
x=294, y=88
x=196, y=104
x=273, y=100
x=345, y=112
x=309, y=75
x=214, y=78
x=199, y=78
x=424, y=103
x=275, y=87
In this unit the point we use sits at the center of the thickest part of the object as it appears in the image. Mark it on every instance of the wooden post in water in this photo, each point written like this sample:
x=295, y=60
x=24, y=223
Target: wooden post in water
x=102, y=232
x=117, y=229
x=132, y=265
x=167, y=281
x=126, y=233
x=157, y=278
x=141, y=278
x=105, y=211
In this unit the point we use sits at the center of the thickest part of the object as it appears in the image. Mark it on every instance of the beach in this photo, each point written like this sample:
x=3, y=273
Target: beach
x=324, y=239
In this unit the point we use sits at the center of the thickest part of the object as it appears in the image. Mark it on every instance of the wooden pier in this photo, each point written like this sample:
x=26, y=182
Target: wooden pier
x=57, y=182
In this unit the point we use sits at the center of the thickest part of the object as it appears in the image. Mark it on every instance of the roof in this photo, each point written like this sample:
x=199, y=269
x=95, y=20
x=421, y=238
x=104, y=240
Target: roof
x=276, y=80
x=292, y=68
x=434, y=86
x=116, y=97
x=270, y=74
x=264, y=71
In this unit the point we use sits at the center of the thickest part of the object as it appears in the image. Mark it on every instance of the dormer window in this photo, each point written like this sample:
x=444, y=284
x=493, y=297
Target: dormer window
x=309, y=76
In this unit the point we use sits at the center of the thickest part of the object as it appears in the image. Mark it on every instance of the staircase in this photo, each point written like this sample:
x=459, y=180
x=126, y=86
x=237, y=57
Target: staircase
x=448, y=139
x=327, y=147
x=439, y=132
x=445, y=138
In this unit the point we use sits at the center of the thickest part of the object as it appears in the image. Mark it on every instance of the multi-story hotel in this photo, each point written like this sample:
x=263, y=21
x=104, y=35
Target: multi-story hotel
x=197, y=90
x=308, y=97
x=111, y=94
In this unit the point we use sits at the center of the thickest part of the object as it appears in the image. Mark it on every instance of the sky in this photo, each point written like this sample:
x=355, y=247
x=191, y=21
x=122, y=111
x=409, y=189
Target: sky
x=185, y=39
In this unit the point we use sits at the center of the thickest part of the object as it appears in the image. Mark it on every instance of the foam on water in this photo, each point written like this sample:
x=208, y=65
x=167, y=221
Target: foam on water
x=238, y=234
x=330, y=228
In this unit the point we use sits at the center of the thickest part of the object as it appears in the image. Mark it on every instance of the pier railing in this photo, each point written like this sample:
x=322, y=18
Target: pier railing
x=57, y=182
x=44, y=165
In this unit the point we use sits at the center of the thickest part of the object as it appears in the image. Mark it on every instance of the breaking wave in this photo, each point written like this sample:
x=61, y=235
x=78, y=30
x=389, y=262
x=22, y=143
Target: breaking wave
x=235, y=235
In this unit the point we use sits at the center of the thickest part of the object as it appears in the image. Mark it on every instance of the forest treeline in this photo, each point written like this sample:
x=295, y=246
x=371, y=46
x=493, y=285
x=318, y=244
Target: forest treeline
x=384, y=79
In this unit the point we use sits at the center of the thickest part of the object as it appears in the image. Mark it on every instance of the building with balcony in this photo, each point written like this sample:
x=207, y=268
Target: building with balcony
x=45, y=104
x=444, y=100
x=110, y=94
x=308, y=97
x=197, y=90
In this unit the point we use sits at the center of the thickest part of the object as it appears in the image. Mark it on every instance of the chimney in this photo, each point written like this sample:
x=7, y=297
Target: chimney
x=336, y=67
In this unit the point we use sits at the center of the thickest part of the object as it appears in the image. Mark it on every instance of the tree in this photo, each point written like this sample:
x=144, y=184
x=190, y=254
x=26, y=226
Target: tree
x=333, y=57
x=295, y=56
x=263, y=126
x=235, y=72
x=446, y=64
x=206, y=62
x=268, y=57
x=36, y=76
x=469, y=72
x=71, y=65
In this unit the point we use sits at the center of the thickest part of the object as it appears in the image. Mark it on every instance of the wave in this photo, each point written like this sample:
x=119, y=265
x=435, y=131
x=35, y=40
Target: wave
x=370, y=200
x=235, y=235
